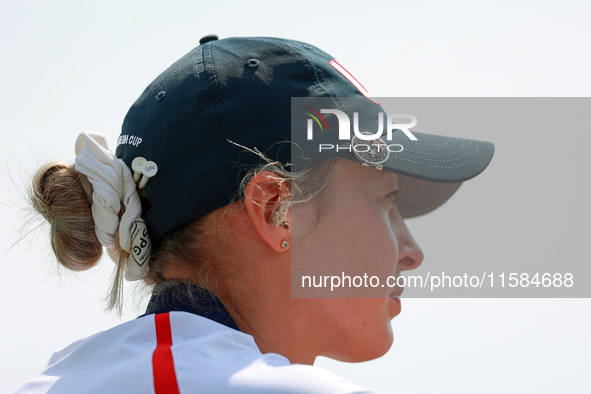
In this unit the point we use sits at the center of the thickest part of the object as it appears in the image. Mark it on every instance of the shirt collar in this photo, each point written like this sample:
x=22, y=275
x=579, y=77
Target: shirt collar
x=185, y=297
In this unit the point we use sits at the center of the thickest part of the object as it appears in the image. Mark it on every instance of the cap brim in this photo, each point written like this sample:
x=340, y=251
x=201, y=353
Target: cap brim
x=420, y=197
x=439, y=159
x=433, y=167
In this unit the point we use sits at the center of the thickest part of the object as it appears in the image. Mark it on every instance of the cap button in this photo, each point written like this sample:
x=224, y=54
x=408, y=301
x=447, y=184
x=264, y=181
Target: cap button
x=208, y=38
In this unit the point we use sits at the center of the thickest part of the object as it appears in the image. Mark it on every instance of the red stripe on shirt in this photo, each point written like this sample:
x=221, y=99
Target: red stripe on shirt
x=162, y=362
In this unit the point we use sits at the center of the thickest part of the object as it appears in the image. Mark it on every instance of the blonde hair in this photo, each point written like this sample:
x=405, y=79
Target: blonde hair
x=63, y=196
x=64, y=200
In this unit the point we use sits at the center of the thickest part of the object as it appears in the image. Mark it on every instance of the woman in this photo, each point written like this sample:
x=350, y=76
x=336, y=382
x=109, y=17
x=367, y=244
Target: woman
x=206, y=200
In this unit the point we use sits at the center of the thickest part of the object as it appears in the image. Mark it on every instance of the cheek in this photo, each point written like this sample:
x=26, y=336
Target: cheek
x=369, y=251
x=356, y=241
x=381, y=245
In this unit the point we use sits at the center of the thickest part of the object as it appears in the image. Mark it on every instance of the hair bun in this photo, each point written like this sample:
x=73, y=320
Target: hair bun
x=63, y=197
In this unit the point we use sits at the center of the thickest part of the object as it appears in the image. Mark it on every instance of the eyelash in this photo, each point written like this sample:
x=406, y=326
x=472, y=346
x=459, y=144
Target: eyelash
x=392, y=196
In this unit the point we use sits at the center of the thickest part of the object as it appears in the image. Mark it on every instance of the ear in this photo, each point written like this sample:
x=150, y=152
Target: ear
x=263, y=198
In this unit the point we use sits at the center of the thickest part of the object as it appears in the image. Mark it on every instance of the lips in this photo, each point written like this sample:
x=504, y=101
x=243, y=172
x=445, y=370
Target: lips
x=395, y=297
x=396, y=292
x=395, y=305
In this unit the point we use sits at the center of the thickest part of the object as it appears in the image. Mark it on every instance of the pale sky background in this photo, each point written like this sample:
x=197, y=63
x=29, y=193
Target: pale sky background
x=70, y=66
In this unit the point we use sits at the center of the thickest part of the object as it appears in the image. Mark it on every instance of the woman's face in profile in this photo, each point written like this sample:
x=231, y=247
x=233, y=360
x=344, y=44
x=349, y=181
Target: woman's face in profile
x=353, y=230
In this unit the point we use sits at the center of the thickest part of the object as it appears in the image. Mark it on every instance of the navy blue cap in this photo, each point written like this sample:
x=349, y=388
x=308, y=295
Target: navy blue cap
x=235, y=89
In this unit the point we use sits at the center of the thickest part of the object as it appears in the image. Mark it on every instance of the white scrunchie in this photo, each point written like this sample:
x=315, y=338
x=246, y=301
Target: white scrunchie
x=112, y=184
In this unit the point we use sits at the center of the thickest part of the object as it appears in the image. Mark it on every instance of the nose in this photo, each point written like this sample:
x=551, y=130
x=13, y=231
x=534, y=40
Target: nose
x=410, y=255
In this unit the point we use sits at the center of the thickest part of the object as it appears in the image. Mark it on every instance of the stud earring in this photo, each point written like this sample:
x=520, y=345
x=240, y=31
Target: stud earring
x=284, y=244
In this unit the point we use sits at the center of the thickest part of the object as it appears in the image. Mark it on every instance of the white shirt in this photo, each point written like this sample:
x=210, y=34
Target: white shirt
x=205, y=357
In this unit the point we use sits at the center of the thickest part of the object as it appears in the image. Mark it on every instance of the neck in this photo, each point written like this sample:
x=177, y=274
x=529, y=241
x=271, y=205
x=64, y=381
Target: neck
x=275, y=329
x=261, y=305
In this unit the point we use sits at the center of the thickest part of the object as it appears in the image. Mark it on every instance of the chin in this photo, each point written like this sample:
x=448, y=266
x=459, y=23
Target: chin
x=364, y=348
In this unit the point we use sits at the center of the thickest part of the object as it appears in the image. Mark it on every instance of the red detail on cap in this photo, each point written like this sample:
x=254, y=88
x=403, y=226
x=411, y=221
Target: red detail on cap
x=162, y=361
x=345, y=73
